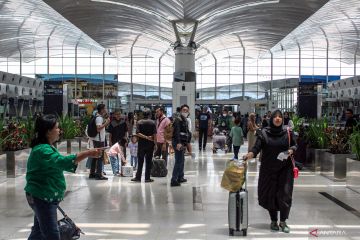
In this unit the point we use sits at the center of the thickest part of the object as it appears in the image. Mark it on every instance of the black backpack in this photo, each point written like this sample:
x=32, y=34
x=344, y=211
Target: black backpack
x=91, y=128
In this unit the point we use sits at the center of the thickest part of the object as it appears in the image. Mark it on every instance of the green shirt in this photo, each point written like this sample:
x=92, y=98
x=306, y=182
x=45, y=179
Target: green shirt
x=237, y=136
x=44, y=176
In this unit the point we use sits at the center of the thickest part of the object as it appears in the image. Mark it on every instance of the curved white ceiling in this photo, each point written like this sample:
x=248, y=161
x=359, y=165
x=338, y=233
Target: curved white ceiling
x=145, y=27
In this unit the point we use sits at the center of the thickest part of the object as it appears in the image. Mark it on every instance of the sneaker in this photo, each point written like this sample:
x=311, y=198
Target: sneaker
x=274, y=226
x=182, y=180
x=135, y=180
x=175, y=184
x=149, y=180
x=92, y=175
x=284, y=227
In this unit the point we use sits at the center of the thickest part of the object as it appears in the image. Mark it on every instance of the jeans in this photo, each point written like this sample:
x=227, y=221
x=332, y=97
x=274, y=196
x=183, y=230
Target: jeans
x=114, y=160
x=88, y=162
x=45, y=219
x=203, y=132
x=97, y=163
x=178, y=171
x=236, y=151
x=134, y=161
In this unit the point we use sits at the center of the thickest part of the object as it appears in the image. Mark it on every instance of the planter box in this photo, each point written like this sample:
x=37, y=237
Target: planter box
x=80, y=140
x=314, y=157
x=333, y=166
x=14, y=162
x=353, y=175
x=68, y=145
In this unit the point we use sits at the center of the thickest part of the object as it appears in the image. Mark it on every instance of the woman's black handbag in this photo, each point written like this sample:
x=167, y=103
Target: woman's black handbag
x=68, y=229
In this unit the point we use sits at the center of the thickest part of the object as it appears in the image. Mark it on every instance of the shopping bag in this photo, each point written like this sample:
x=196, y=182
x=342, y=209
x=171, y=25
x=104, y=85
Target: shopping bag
x=234, y=176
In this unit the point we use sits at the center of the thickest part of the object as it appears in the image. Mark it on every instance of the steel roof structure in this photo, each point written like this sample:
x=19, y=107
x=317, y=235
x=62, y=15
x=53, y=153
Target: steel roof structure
x=145, y=28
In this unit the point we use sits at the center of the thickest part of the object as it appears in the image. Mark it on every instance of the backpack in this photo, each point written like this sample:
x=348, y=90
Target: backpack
x=92, y=128
x=168, y=132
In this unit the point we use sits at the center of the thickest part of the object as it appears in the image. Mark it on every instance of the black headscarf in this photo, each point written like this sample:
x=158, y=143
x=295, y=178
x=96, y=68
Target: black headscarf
x=272, y=128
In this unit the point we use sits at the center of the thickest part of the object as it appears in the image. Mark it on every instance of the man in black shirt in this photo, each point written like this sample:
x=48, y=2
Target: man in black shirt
x=118, y=130
x=146, y=132
x=204, y=119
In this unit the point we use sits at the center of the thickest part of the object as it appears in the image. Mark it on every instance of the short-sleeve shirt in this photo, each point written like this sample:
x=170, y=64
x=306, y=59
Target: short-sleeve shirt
x=99, y=121
x=118, y=130
x=203, y=120
x=161, y=124
x=148, y=128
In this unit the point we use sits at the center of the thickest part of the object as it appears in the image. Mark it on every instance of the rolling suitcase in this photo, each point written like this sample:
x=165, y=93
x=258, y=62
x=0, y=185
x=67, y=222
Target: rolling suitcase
x=238, y=211
x=158, y=168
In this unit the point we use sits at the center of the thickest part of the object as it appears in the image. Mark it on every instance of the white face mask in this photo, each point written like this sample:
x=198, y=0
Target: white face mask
x=185, y=115
x=224, y=115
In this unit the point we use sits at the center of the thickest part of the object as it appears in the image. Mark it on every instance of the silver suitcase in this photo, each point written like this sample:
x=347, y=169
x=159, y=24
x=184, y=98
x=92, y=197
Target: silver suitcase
x=238, y=211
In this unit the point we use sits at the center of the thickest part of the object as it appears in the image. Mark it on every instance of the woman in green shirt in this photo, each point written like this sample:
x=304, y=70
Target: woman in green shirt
x=45, y=181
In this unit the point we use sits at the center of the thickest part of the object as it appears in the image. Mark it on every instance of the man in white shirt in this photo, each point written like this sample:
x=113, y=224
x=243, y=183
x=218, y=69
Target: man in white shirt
x=99, y=141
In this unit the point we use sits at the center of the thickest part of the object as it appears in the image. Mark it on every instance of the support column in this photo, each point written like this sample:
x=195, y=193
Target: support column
x=76, y=62
x=103, y=78
x=184, y=85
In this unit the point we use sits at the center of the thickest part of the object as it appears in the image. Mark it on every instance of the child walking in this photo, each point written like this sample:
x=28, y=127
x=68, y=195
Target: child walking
x=237, y=136
x=114, y=153
x=133, y=146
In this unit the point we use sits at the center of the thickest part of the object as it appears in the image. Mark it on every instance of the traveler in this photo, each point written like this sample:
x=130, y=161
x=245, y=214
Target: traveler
x=179, y=142
x=251, y=129
x=118, y=130
x=161, y=123
x=146, y=132
x=276, y=177
x=45, y=181
x=204, y=119
x=237, y=136
x=102, y=121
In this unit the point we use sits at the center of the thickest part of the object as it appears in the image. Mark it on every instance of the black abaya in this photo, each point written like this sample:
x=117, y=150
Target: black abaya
x=276, y=178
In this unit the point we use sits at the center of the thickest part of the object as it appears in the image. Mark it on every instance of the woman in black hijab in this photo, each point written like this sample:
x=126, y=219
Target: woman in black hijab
x=276, y=177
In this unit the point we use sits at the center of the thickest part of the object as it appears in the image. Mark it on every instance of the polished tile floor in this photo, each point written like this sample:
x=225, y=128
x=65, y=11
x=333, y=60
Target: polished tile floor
x=120, y=209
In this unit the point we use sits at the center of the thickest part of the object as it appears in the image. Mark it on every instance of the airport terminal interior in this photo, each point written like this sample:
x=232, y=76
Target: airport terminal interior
x=238, y=60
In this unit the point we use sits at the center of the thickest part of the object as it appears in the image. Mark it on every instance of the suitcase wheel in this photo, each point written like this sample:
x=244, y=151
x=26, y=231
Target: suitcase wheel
x=244, y=232
x=231, y=232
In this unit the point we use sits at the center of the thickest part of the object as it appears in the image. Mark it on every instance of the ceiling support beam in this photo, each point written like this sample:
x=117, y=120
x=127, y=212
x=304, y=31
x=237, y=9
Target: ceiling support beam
x=131, y=67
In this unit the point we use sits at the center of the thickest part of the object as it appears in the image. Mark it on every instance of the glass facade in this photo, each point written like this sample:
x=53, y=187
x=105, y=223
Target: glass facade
x=144, y=78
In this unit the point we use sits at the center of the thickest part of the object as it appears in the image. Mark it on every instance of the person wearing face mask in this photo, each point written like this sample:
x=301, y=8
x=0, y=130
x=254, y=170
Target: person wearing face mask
x=276, y=177
x=223, y=121
x=179, y=142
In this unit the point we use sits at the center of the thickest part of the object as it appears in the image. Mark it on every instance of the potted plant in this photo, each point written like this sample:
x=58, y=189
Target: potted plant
x=353, y=164
x=68, y=130
x=81, y=125
x=15, y=145
x=333, y=165
x=317, y=140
